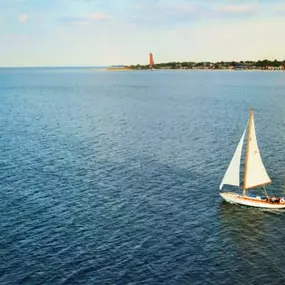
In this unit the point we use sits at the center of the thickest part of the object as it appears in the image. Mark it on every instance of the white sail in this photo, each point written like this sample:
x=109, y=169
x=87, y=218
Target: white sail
x=232, y=175
x=256, y=174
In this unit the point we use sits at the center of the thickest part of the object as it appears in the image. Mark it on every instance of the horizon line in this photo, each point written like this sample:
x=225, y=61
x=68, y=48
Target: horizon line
x=57, y=66
x=116, y=65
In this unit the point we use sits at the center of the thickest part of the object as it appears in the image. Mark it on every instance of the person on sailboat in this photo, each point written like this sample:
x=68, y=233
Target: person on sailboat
x=274, y=199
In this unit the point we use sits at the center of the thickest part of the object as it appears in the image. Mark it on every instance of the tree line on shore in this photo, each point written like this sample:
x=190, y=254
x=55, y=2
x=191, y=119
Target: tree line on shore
x=260, y=64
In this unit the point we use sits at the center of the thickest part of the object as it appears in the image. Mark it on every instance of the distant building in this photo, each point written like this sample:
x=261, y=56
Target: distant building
x=240, y=67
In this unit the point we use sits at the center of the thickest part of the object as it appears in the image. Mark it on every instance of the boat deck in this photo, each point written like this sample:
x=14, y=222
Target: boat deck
x=254, y=201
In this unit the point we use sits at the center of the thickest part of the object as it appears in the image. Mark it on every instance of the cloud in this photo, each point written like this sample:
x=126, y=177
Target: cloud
x=74, y=21
x=161, y=14
x=239, y=9
x=280, y=9
x=23, y=18
x=99, y=17
x=18, y=37
x=158, y=14
x=95, y=17
x=170, y=15
x=232, y=12
x=2, y=20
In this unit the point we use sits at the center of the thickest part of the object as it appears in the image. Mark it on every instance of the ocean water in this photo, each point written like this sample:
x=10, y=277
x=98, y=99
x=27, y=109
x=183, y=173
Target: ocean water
x=112, y=177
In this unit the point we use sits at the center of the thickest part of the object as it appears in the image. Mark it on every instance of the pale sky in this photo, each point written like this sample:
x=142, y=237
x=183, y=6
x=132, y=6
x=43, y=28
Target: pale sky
x=107, y=32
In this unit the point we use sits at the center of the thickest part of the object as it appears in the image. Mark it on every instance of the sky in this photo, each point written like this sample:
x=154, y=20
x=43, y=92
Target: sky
x=111, y=32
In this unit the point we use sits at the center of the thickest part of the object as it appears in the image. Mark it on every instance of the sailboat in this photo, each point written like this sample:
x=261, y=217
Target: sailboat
x=151, y=62
x=255, y=174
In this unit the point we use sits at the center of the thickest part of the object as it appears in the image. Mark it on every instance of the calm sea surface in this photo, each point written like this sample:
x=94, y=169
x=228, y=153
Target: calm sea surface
x=112, y=177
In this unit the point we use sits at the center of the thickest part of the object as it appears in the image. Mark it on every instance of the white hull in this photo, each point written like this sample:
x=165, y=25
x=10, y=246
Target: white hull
x=235, y=198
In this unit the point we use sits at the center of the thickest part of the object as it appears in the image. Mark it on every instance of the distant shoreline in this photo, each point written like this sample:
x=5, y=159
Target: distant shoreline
x=222, y=65
x=215, y=69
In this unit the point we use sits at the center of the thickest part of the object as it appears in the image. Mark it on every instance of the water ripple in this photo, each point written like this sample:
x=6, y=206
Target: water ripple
x=104, y=181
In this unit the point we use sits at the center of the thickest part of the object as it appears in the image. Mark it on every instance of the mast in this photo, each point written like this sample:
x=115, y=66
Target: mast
x=247, y=151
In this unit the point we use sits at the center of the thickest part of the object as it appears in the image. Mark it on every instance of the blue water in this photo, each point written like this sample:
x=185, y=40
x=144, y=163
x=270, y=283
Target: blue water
x=112, y=177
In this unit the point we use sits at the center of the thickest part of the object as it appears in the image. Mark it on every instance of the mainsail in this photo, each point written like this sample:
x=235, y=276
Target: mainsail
x=232, y=175
x=255, y=173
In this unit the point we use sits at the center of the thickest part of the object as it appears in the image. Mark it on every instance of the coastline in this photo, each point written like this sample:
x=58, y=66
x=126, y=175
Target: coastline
x=199, y=69
x=222, y=65
x=118, y=69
